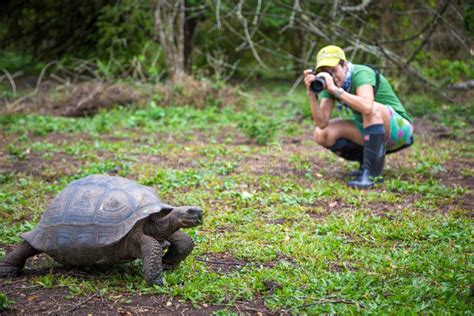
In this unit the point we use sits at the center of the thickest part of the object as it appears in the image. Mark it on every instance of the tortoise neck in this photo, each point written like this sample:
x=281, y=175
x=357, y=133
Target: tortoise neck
x=161, y=228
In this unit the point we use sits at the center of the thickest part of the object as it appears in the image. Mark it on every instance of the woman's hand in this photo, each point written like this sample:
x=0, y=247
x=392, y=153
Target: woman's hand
x=330, y=86
x=309, y=77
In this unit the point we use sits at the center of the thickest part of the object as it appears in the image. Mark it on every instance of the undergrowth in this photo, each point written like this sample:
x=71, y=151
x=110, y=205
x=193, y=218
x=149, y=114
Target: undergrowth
x=276, y=206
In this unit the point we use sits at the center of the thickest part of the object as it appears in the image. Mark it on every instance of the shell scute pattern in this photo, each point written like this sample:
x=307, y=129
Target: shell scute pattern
x=92, y=213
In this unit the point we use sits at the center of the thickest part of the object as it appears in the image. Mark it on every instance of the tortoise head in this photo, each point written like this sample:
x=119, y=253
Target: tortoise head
x=172, y=219
x=186, y=216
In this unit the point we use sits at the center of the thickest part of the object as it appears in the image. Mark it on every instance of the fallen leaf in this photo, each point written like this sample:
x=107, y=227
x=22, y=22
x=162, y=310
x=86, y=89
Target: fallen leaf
x=31, y=298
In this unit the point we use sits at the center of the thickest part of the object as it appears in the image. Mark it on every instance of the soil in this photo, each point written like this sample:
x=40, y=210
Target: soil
x=38, y=300
x=31, y=300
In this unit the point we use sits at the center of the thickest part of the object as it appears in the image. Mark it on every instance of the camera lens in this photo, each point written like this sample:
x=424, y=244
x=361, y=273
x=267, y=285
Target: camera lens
x=318, y=84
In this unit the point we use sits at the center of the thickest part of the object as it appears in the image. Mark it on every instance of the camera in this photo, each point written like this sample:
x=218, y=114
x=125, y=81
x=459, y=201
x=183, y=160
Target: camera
x=319, y=84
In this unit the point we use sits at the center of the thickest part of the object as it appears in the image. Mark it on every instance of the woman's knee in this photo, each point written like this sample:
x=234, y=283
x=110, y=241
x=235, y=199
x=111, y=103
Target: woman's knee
x=321, y=136
x=376, y=116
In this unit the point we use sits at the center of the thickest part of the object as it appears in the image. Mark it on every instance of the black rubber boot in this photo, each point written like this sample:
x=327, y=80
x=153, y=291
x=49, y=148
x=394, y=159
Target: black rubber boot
x=374, y=157
x=349, y=150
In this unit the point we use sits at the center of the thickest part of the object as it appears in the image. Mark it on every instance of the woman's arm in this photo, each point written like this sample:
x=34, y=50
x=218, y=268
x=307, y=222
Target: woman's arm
x=321, y=113
x=362, y=101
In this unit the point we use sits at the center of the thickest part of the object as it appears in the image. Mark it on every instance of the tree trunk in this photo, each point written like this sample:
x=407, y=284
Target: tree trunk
x=169, y=26
x=190, y=27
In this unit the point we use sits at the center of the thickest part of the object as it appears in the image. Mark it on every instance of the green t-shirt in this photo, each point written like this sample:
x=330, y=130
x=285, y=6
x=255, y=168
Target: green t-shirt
x=362, y=75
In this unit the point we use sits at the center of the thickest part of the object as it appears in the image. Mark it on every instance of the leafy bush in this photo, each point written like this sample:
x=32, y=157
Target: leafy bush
x=4, y=302
x=123, y=29
x=261, y=129
x=450, y=71
x=14, y=61
x=198, y=94
x=426, y=106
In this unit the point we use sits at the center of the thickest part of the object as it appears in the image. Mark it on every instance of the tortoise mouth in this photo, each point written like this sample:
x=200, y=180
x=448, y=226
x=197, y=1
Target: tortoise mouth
x=194, y=216
x=191, y=221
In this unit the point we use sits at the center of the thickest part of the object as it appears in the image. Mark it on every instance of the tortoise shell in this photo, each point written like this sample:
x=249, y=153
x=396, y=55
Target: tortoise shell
x=89, y=216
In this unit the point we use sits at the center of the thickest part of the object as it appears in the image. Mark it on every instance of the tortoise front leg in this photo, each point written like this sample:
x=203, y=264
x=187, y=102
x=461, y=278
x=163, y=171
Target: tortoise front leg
x=15, y=260
x=181, y=246
x=151, y=254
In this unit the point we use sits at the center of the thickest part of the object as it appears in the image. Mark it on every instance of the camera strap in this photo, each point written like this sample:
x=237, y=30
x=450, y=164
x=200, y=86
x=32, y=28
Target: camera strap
x=377, y=79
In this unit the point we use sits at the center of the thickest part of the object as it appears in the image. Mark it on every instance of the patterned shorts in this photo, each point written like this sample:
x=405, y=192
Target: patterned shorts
x=401, y=130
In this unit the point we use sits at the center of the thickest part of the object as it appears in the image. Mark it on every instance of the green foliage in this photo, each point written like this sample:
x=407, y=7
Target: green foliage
x=125, y=41
x=123, y=29
x=68, y=27
x=16, y=61
x=261, y=129
x=457, y=116
x=4, y=302
x=281, y=219
x=450, y=71
x=468, y=18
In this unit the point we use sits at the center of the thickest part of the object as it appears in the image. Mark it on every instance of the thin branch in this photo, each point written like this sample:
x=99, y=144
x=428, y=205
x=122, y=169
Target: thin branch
x=466, y=85
x=296, y=5
x=227, y=263
x=438, y=14
x=89, y=97
x=43, y=71
x=330, y=301
x=300, y=78
x=334, y=8
x=244, y=22
x=181, y=38
x=356, y=46
x=218, y=15
x=359, y=7
x=257, y=12
x=12, y=81
x=81, y=303
x=272, y=51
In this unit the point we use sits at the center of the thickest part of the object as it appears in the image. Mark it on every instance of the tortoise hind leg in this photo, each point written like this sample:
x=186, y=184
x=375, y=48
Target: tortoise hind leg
x=181, y=246
x=15, y=260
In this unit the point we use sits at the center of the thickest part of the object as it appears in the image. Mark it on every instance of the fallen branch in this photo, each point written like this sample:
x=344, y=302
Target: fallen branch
x=43, y=71
x=466, y=85
x=12, y=81
x=359, y=7
x=81, y=303
x=331, y=301
x=244, y=264
x=328, y=301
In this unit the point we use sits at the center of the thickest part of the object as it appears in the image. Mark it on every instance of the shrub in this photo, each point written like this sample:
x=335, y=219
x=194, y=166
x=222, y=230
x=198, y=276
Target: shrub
x=198, y=94
x=261, y=129
x=4, y=302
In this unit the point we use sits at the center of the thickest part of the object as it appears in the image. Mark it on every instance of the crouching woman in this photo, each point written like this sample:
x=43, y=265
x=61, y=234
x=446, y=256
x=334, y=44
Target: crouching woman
x=380, y=124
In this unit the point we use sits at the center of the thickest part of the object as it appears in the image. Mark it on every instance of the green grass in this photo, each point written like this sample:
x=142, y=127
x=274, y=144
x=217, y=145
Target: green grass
x=285, y=215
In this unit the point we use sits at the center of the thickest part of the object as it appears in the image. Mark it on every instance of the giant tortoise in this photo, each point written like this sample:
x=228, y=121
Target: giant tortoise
x=102, y=219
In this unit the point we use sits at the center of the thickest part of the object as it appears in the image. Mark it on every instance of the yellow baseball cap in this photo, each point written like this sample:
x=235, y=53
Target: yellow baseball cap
x=329, y=56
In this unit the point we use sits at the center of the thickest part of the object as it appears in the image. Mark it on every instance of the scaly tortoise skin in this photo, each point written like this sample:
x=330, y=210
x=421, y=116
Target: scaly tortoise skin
x=100, y=220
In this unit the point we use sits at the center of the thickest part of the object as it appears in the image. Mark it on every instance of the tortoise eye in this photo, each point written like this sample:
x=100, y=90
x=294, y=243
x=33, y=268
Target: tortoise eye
x=194, y=211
